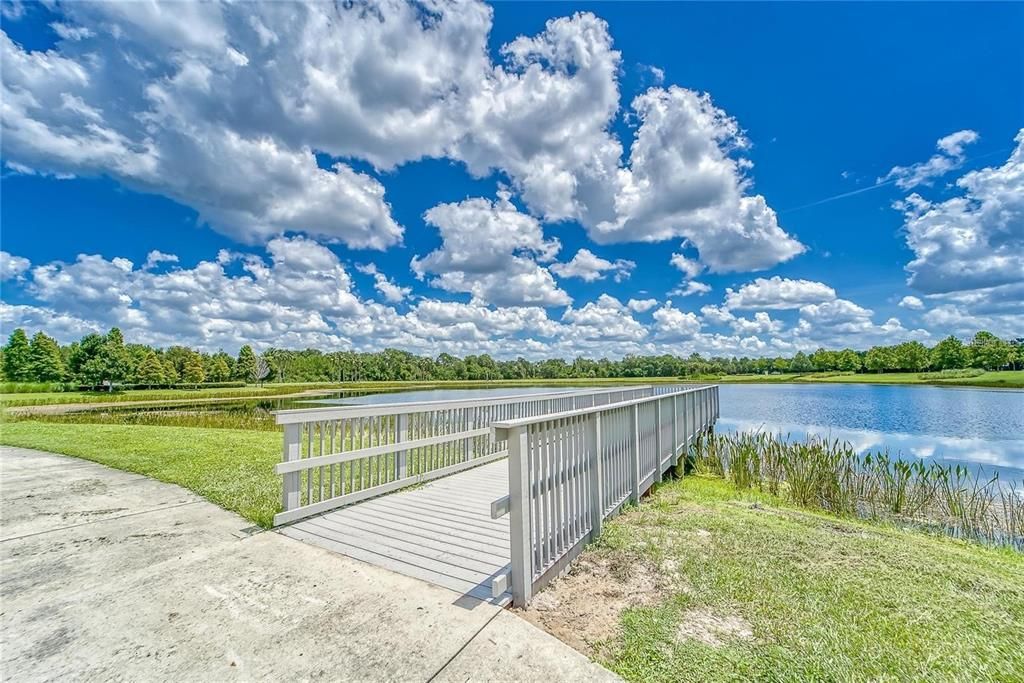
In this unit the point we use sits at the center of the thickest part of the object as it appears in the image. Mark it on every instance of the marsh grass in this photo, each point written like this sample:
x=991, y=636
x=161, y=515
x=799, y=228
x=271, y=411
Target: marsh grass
x=251, y=415
x=953, y=374
x=830, y=475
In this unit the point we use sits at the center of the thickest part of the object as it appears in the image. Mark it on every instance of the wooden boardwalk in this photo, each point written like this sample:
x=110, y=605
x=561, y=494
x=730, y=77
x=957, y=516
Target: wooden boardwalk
x=441, y=532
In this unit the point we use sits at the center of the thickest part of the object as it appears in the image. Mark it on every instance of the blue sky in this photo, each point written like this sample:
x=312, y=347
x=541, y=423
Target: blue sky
x=243, y=159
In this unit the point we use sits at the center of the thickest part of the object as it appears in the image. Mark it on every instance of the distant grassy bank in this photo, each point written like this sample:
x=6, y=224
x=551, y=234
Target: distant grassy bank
x=703, y=582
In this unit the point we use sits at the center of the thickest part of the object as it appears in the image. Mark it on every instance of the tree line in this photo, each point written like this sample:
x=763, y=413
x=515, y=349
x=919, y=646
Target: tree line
x=104, y=360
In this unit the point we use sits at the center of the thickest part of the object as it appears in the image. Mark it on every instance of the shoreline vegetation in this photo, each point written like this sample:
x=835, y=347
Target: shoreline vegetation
x=830, y=476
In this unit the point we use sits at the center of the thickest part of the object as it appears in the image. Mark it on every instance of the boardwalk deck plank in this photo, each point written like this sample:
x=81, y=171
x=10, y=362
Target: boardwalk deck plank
x=441, y=533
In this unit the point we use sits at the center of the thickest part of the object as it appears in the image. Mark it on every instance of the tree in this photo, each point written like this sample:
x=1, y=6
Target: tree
x=17, y=357
x=112, y=362
x=194, y=373
x=170, y=373
x=824, y=359
x=948, y=354
x=989, y=351
x=801, y=363
x=220, y=372
x=245, y=367
x=151, y=370
x=911, y=356
x=45, y=361
x=878, y=359
x=848, y=361
x=1017, y=347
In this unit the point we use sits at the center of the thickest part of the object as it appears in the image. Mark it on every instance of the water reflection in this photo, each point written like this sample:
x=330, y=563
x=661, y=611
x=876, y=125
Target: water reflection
x=1005, y=456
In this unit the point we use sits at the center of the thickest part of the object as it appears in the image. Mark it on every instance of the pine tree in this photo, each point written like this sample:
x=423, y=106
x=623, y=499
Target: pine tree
x=17, y=357
x=46, y=364
x=194, y=373
x=151, y=370
x=245, y=368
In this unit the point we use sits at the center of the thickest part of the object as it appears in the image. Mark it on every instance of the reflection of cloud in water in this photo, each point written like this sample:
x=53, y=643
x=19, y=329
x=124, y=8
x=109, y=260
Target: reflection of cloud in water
x=1006, y=456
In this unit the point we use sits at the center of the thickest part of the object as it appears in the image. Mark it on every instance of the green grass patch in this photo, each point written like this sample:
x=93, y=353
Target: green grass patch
x=232, y=468
x=824, y=598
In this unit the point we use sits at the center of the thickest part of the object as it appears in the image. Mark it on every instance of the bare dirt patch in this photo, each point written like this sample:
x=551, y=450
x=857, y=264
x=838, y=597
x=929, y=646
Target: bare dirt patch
x=713, y=629
x=583, y=608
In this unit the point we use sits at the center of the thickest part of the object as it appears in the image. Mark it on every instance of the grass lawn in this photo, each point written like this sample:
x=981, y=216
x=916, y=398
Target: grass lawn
x=230, y=467
x=750, y=589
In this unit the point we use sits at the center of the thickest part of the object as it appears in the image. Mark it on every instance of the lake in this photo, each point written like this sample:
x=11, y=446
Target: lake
x=976, y=427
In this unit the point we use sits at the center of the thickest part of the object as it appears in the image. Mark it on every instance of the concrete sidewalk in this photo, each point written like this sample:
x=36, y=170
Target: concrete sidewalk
x=110, y=575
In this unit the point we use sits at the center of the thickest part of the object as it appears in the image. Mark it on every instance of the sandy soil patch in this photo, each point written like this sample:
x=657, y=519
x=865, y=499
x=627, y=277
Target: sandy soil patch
x=713, y=629
x=583, y=607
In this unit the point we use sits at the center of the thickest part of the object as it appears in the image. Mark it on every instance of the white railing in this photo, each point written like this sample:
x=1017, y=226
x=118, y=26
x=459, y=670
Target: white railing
x=340, y=455
x=568, y=472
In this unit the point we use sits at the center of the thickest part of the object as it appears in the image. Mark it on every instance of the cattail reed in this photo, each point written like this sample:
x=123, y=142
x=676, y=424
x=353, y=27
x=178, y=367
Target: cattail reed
x=830, y=475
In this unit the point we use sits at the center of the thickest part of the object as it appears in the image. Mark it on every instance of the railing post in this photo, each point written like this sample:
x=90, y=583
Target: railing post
x=401, y=457
x=290, y=498
x=659, y=457
x=519, y=498
x=634, y=438
x=675, y=429
x=691, y=417
x=594, y=448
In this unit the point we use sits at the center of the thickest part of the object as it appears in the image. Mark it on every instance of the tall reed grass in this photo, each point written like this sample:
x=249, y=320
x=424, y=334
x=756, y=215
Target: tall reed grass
x=830, y=475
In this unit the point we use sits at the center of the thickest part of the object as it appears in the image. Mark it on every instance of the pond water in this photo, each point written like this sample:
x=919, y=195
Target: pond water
x=975, y=427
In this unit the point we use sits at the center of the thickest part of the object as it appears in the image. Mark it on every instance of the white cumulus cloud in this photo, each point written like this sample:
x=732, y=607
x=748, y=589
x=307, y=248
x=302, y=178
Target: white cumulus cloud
x=588, y=266
x=491, y=250
x=778, y=293
x=911, y=302
x=950, y=157
x=12, y=266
